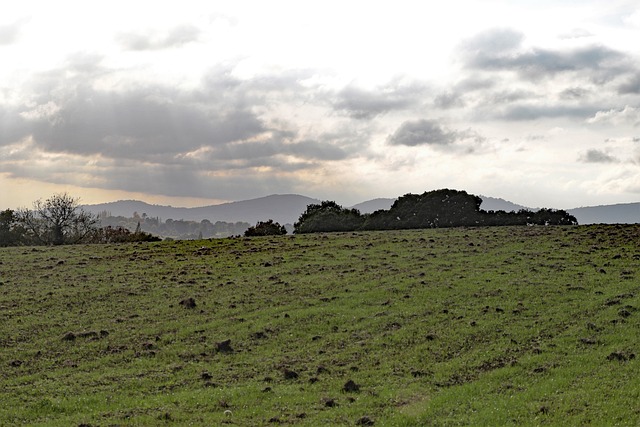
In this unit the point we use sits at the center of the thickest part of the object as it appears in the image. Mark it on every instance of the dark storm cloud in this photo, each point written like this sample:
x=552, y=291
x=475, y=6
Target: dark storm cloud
x=153, y=40
x=178, y=181
x=209, y=141
x=597, y=156
x=366, y=104
x=156, y=122
x=421, y=132
x=144, y=124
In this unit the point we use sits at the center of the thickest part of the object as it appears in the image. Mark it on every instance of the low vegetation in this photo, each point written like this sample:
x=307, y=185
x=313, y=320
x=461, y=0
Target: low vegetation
x=177, y=229
x=431, y=209
x=457, y=326
x=60, y=220
x=266, y=228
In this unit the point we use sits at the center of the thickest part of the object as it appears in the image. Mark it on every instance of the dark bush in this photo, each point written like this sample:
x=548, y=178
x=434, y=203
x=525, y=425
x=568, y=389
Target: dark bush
x=328, y=216
x=266, y=228
x=433, y=209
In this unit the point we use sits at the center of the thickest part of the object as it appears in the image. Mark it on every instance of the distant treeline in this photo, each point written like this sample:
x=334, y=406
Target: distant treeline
x=175, y=229
x=60, y=220
x=440, y=208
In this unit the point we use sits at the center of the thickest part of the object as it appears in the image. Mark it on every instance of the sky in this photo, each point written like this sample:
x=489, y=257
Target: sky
x=194, y=103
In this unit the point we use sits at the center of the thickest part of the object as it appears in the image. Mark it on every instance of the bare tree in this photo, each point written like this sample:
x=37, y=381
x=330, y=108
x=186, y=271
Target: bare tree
x=58, y=220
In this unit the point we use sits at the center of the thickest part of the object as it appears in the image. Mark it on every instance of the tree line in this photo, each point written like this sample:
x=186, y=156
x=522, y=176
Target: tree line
x=60, y=220
x=434, y=209
x=179, y=229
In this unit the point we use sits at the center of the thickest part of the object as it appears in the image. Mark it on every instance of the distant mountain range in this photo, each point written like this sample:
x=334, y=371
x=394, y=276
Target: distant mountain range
x=286, y=209
x=624, y=213
x=283, y=208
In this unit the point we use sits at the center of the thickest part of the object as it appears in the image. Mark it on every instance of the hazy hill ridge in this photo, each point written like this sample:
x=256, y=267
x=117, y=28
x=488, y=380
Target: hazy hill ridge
x=287, y=208
x=496, y=204
x=624, y=213
x=283, y=208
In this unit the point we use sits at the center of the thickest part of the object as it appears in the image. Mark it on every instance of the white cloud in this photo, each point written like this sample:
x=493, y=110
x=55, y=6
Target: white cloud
x=155, y=40
x=10, y=33
x=576, y=33
x=628, y=115
x=633, y=19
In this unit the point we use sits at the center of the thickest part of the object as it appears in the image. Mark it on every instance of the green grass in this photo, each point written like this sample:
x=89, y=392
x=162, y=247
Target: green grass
x=465, y=326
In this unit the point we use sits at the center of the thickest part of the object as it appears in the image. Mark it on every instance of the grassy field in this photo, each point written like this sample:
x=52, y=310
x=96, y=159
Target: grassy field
x=465, y=326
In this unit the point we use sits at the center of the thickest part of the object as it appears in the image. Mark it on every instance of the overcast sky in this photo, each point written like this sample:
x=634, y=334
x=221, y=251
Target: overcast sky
x=192, y=103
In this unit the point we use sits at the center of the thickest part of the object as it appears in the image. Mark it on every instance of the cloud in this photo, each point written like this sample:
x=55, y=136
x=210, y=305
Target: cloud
x=540, y=62
x=277, y=150
x=421, y=132
x=502, y=50
x=10, y=33
x=505, y=79
x=461, y=93
x=534, y=111
x=627, y=115
x=146, y=123
x=312, y=149
x=630, y=86
x=414, y=133
x=223, y=138
x=366, y=104
x=633, y=18
x=450, y=99
x=156, y=40
x=576, y=33
x=597, y=156
x=574, y=93
x=499, y=41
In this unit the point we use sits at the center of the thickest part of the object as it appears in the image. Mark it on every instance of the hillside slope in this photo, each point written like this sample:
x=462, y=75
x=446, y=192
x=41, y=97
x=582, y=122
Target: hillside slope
x=283, y=208
x=624, y=213
x=288, y=207
x=492, y=326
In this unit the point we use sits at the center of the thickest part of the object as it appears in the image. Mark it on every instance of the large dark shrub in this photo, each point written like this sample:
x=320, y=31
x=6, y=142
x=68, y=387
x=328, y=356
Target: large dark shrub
x=328, y=216
x=266, y=228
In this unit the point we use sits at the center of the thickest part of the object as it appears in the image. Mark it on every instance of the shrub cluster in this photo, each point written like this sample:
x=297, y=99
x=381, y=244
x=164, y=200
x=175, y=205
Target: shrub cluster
x=121, y=235
x=266, y=228
x=440, y=208
x=60, y=220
